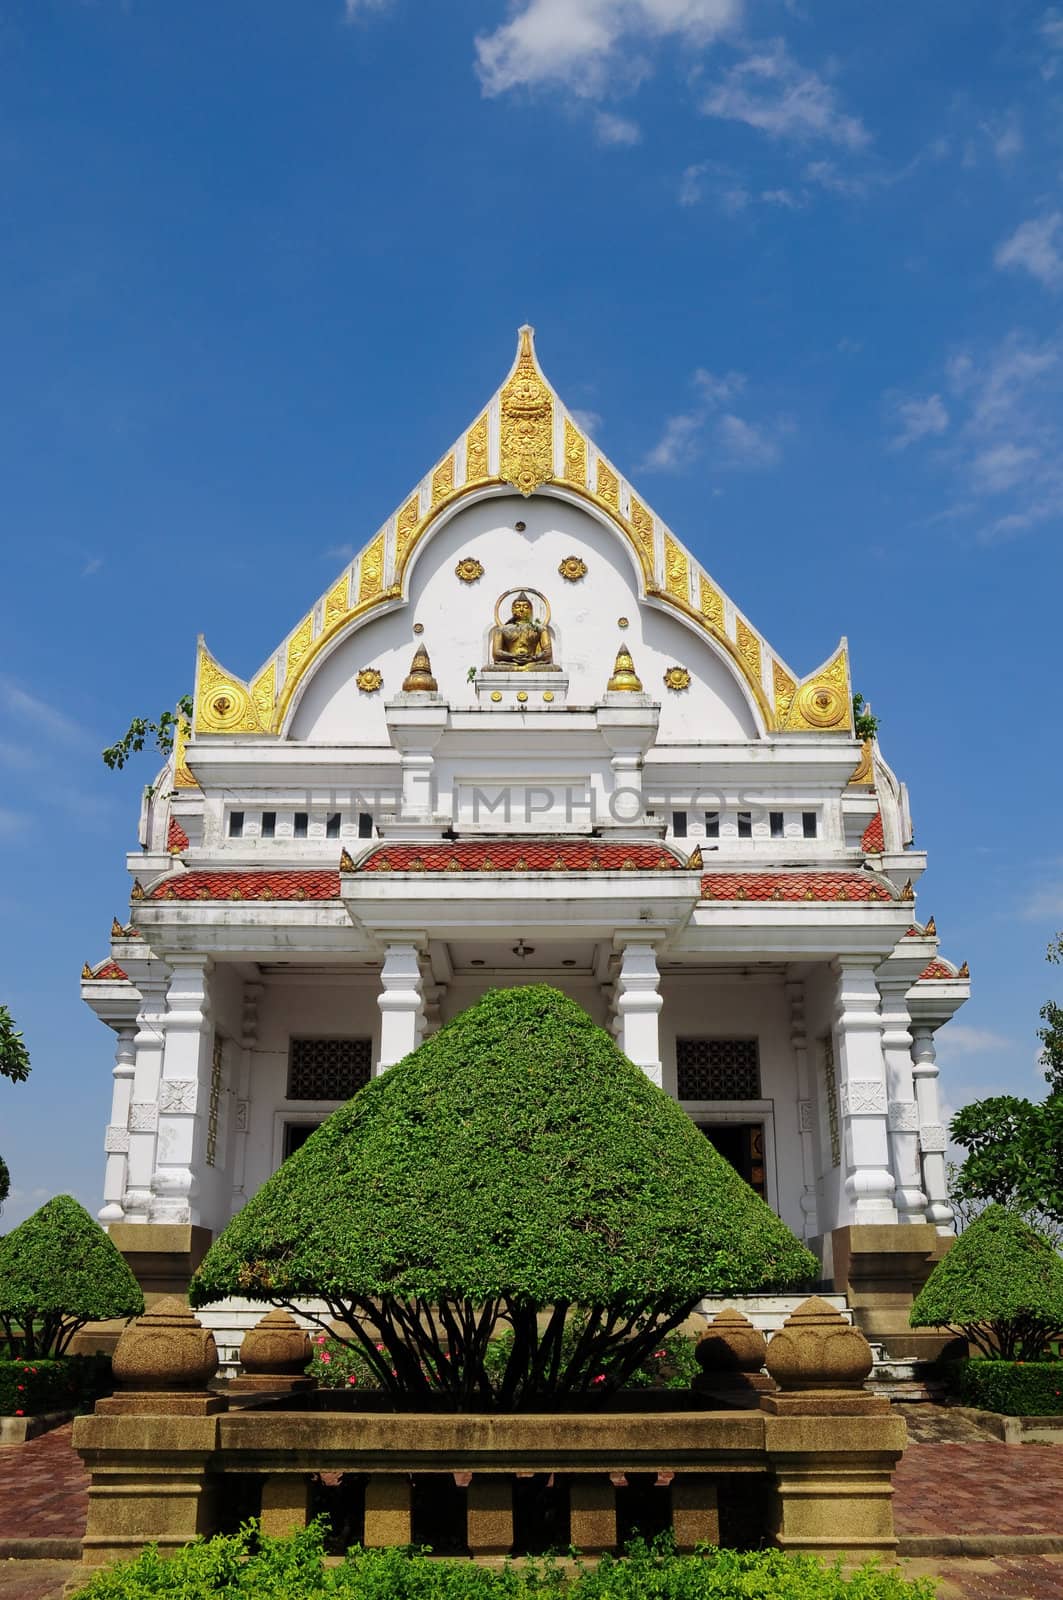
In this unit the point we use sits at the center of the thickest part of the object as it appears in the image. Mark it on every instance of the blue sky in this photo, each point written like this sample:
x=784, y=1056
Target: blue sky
x=800, y=264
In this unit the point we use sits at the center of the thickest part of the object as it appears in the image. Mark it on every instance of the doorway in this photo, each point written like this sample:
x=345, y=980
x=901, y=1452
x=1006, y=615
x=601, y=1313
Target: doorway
x=742, y=1144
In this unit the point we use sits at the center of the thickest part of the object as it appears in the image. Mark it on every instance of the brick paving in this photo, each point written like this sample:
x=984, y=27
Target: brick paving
x=43, y=1489
x=980, y=1488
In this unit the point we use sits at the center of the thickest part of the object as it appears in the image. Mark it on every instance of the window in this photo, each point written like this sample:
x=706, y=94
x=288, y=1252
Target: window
x=300, y=824
x=365, y=825
x=236, y=824
x=809, y=824
x=295, y=1136
x=718, y=1069
x=269, y=824
x=775, y=819
x=745, y=825
x=328, y=1069
x=712, y=824
x=679, y=824
x=332, y=826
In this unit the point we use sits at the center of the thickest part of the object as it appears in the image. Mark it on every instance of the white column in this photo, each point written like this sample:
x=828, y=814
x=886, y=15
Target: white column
x=795, y=994
x=932, y=1135
x=903, y=1113
x=116, y=1140
x=401, y=1002
x=184, y=1090
x=638, y=1009
x=144, y=1109
x=862, y=1093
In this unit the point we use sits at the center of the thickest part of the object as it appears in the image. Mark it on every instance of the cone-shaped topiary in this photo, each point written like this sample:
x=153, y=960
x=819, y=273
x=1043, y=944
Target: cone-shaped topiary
x=59, y=1270
x=1000, y=1286
x=516, y=1161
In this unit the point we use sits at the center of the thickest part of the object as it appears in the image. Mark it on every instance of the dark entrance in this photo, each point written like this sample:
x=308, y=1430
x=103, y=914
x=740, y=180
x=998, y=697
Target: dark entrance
x=742, y=1144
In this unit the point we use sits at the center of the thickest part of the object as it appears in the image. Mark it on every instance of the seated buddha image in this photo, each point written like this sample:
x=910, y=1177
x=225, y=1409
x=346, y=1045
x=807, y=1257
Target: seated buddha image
x=523, y=643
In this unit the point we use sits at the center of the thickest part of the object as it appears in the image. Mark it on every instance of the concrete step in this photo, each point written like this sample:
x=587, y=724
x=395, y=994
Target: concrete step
x=767, y=1312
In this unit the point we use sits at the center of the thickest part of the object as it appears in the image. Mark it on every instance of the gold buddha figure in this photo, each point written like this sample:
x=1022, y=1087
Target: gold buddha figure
x=522, y=644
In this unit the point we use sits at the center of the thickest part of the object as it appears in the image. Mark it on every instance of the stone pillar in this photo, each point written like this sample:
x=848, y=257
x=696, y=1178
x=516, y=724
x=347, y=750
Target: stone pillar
x=388, y=1510
x=116, y=1140
x=592, y=1514
x=490, y=1514
x=285, y=1503
x=869, y=1182
x=903, y=1114
x=144, y=1108
x=401, y=1002
x=932, y=1135
x=795, y=994
x=638, y=1008
x=183, y=1092
x=695, y=1515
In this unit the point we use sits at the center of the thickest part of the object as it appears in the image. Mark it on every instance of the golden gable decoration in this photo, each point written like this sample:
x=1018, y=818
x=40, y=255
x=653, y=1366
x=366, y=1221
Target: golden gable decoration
x=527, y=424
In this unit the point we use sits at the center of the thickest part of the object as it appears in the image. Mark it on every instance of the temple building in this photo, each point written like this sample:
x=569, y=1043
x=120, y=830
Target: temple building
x=525, y=736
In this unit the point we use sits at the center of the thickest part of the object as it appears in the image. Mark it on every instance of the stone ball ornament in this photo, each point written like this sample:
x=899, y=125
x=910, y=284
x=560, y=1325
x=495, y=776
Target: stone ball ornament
x=166, y=1349
x=275, y=1344
x=817, y=1349
x=731, y=1344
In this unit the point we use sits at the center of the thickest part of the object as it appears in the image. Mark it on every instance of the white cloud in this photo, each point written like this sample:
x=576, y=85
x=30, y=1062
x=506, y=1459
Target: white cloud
x=678, y=444
x=730, y=191
x=339, y=552
x=575, y=43
x=1050, y=29
x=771, y=92
x=1005, y=137
x=92, y=566
x=692, y=184
x=12, y=822
x=718, y=389
x=21, y=704
x=1033, y=248
x=715, y=428
x=358, y=8
x=589, y=421
x=610, y=129
x=744, y=444
x=827, y=176
x=1002, y=466
x=958, y=1039
x=918, y=419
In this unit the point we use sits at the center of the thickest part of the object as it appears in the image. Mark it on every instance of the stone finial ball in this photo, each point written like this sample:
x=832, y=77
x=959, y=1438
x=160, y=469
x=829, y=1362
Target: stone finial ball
x=276, y=1344
x=167, y=1348
x=817, y=1349
x=731, y=1344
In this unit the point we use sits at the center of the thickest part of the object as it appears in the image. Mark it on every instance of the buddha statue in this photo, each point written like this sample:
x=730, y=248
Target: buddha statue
x=521, y=644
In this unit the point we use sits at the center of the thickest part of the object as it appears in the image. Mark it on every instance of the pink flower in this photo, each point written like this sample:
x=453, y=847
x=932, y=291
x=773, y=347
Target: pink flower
x=320, y=1338
x=325, y=1356
x=20, y=1413
x=599, y=1379
x=352, y=1378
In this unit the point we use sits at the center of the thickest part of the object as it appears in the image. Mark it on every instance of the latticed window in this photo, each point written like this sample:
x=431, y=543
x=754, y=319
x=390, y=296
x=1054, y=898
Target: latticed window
x=718, y=1069
x=328, y=1069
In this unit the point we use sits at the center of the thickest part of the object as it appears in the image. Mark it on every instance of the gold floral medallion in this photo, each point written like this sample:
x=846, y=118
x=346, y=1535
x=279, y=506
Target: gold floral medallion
x=369, y=680
x=469, y=570
x=677, y=678
x=572, y=569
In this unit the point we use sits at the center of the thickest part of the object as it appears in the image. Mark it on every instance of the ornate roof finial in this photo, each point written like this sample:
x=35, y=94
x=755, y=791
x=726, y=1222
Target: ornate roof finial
x=137, y=891
x=908, y=892
x=86, y=971
x=117, y=931
x=695, y=860
x=931, y=929
x=419, y=679
x=964, y=972
x=625, y=679
x=346, y=861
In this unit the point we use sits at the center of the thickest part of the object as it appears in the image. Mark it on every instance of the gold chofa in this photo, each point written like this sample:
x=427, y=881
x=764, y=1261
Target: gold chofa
x=419, y=679
x=625, y=679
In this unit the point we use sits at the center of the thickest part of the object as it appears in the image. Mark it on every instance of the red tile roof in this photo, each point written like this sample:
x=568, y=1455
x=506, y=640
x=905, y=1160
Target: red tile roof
x=937, y=969
x=873, y=843
x=307, y=885
x=793, y=886
x=110, y=972
x=518, y=855
x=176, y=837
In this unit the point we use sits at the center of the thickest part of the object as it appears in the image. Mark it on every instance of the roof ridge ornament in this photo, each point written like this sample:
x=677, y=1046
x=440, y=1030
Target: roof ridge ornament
x=526, y=445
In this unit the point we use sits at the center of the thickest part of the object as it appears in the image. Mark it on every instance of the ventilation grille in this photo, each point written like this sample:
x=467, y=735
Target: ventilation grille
x=718, y=1069
x=328, y=1069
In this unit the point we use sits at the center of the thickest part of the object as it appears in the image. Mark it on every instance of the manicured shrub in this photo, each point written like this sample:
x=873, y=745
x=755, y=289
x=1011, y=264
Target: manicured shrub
x=1000, y=1286
x=59, y=1270
x=516, y=1163
x=293, y=1569
x=28, y=1388
x=1014, y=1388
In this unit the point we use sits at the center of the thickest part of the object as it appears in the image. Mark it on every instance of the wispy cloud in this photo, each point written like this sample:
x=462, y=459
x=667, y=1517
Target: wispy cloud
x=576, y=43
x=917, y=419
x=92, y=566
x=339, y=552
x=1034, y=248
x=714, y=428
x=609, y=129
x=1050, y=32
x=730, y=191
x=47, y=718
x=773, y=93
x=12, y=822
x=361, y=8
x=958, y=1039
x=589, y=421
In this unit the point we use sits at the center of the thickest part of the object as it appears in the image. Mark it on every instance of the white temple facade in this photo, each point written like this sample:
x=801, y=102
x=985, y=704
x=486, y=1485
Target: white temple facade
x=525, y=736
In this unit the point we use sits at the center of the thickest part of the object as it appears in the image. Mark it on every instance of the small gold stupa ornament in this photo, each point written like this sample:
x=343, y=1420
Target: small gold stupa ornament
x=419, y=679
x=625, y=679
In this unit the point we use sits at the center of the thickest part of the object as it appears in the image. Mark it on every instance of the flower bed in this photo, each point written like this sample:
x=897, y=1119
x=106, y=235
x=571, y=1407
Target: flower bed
x=294, y=1569
x=72, y=1383
x=1014, y=1388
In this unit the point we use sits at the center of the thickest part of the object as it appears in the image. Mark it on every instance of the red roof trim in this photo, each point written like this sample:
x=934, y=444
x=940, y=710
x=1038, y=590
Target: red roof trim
x=792, y=886
x=516, y=855
x=176, y=837
x=109, y=971
x=937, y=969
x=873, y=843
x=307, y=885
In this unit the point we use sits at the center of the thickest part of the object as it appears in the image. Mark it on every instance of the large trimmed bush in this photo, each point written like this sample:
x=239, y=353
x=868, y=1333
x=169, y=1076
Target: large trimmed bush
x=1000, y=1286
x=1014, y=1388
x=59, y=1270
x=513, y=1168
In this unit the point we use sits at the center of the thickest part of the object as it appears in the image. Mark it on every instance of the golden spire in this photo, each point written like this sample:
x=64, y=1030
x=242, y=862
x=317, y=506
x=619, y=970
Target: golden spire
x=695, y=861
x=419, y=679
x=625, y=679
x=346, y=861
x=931, y=929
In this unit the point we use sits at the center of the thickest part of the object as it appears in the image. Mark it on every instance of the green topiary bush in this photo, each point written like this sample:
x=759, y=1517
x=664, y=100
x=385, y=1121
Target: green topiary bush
x=1000, y=1286
x=28, y=1388
x=293, y=1569
x=1014, y=1388
x=59, y=1270
x=516, y=1163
